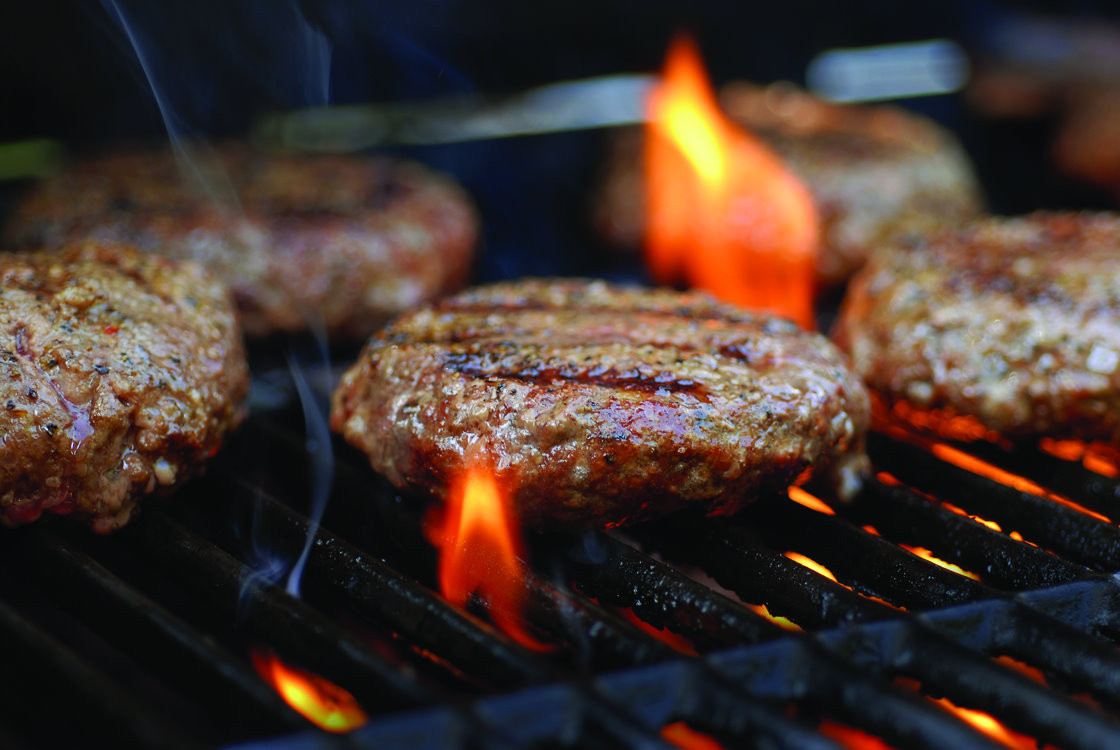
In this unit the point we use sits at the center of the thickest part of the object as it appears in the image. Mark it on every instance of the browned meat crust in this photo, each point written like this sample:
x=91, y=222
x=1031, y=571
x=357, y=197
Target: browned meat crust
x=874, y=172
x=1013, y=321
x=602, y=405
x=349, y=241
x=120, y=373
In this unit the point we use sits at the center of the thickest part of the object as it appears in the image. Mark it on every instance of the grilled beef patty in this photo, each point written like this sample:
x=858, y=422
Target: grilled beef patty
x=1013, y=321
x=600, y=405
x=874, y=172
x=341, y=241
x=120, y=373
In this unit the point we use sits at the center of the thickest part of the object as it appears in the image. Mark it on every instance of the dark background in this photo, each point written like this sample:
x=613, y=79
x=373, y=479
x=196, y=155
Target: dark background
x=70, y=72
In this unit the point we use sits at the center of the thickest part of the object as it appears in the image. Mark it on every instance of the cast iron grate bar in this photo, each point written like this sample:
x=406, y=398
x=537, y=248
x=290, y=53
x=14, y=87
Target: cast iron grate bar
x=1066, y=477
x=271, y=616
x=36, y=663
x=155, y=637
x=1073, y=534
x=902, y=514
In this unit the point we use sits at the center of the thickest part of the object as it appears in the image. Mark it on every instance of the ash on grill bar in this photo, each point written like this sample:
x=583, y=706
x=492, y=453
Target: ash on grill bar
x=967, y=597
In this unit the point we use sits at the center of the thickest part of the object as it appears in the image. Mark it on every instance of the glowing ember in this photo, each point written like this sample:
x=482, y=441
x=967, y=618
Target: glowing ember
x=801, y=497
x=852, y=738
x=816, y=567
x=666, y=636
x=962, y=512
x=480, y=552
x=783, y=622
x=1022, y=668
x=322, y=702
x=682, y=735
x=723, y=212
x=926, y=554
x=1090, y=456
x=811, y=564
x=987, y=724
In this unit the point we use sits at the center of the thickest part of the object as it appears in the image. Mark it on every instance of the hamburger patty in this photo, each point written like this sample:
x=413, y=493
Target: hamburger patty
x=874, y=172
x=345, y=241
x=600, y=405
x=1013, y=321
x=120, y=373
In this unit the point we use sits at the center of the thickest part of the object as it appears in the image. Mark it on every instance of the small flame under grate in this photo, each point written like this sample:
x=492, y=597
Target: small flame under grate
x=941, y=609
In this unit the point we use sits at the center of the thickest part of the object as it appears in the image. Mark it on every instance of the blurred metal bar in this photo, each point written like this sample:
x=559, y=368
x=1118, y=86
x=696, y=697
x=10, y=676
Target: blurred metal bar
x=571, y=105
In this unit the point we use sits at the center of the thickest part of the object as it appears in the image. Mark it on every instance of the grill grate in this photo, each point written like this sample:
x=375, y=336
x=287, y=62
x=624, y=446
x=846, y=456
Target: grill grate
x=143, y=638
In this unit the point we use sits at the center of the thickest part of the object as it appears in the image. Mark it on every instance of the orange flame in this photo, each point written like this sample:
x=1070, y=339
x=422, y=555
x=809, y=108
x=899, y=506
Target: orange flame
x=723, y=212
x=682, y=735
x=322, y=702
x=480, y=551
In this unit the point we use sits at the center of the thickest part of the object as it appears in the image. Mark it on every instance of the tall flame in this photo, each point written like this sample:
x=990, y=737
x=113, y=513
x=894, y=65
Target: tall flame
x=480, y=551
x=322, y=702
x=723, y=212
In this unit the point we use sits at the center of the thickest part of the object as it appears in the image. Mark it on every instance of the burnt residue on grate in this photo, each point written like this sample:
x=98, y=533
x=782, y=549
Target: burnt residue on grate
x=145, y=636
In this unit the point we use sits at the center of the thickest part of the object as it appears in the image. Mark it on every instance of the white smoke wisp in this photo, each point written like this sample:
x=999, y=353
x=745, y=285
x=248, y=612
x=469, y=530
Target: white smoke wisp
x=320, y=452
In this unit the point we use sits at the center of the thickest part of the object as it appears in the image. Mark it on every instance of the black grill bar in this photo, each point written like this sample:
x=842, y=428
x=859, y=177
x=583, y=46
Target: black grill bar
x=871, y=564
x=661, y=595
x=739, y=560
x=1074, y=535
x=903, y=515
x=604, y=640
x=792, y=669
x=1020, y=630
x=560, y=616
x=944, y=668
x=152, y=635
x=378, y=593
x=1069, y=478
x=335, y=565
x=271, y=615
x=825, y=679
x=36, y=663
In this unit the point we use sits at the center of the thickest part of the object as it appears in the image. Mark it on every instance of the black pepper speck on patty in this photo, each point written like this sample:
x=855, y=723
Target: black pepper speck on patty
x=120, y=373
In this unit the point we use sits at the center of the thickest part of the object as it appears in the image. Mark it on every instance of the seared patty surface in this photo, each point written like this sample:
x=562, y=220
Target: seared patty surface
x=1013, y=321
x=340, y=241
x=120, y=373
x=874, y=172
x=602, y=405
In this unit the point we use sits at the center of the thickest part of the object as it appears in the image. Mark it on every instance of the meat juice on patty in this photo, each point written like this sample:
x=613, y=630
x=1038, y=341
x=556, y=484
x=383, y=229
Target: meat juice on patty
x=120, y=374
x=1013, y=321
x=339, y=241
x=601, y=405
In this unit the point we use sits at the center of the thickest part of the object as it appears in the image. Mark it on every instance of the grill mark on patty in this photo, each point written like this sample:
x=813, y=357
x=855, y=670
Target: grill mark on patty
x=482, y=365
x=741, y=351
